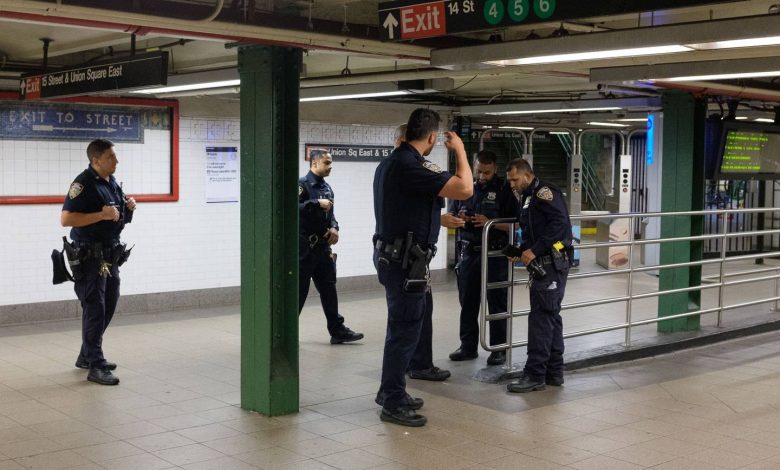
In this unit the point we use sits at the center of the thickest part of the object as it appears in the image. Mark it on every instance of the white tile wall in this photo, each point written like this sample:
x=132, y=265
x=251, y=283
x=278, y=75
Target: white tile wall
x=179, y=246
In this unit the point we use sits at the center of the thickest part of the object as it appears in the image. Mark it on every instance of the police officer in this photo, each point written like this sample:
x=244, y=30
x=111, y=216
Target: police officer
x=318, y=230
x=98, y=210
x=492, y=199
x=546, y=244
x=408, y=192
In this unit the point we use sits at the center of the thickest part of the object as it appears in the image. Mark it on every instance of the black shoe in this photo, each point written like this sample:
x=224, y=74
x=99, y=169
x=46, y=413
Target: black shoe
x=461, y=355
x=102, y=377
x=554, y=381
x=83, y=363
x=526, y=384
x=434, y=374
x=413, y=403
x=404, y=417
x=496, y=358
x=345, y=335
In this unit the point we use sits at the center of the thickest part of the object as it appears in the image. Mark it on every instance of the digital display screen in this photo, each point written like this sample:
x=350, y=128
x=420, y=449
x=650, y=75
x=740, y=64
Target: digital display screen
x=751, y=152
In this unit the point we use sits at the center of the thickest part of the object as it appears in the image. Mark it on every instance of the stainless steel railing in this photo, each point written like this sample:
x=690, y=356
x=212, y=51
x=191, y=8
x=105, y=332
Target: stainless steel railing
x=718, y=281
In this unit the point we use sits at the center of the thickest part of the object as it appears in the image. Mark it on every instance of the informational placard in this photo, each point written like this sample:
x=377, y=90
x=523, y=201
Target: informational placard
x=222, y=174
x=413, y=19
x=66, y=121
x=352, y=153
x=132, y=72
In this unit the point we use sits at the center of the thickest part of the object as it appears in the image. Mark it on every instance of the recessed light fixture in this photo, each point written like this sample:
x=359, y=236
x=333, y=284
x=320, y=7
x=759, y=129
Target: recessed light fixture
x=606, y=124
x=767, y=120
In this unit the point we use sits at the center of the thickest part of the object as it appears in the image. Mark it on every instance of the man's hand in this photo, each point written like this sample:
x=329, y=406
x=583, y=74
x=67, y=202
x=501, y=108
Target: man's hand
x=479, y=220
x=325, y=204
x=452, y=221
x=453, y=142
x=109, y=213
x=332, y=235
x=527, y=257
x=130, y=203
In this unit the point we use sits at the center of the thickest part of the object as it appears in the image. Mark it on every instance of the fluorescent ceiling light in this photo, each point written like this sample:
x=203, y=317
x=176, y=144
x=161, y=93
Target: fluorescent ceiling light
x=517, y=128
x=770, y=121
x=722, y=76
x=557, y=110
x=356, y=96
x=741, y=118
x=593, y=55
x=559, y=133
x=191, y=86
x=737, y=43
x=606, y=124
x=632, y=120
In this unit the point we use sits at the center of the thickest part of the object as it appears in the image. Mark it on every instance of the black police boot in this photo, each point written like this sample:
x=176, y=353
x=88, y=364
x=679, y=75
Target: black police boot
x=463, y=355
x=526, y=384
x=344, y=335
x=496, y=358
x=102, y=376
x=434, y=374
x=83, y=363
x=403, y=416
x=554, y=380
x=413, y=403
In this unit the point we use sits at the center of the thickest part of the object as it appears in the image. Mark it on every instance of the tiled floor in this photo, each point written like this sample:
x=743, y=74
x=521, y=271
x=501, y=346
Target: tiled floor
x=710, y=408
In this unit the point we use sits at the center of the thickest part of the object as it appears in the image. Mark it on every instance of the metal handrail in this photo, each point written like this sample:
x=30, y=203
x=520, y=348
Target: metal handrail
x=721, y=283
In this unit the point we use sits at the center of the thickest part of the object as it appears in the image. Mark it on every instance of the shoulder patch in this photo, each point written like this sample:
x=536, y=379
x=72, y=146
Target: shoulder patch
x=75, y=190
x=545, y=194
x=431, y=166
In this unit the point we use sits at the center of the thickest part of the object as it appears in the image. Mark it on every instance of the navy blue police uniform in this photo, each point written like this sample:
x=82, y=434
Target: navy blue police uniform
x=407, y=210
x=315, y=255
x=493, y=199
x=99, y=248
x=544, y=220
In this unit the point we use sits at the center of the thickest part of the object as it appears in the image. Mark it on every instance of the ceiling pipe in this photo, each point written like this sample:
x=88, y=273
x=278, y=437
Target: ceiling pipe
x=722, y=89
x=141, y=24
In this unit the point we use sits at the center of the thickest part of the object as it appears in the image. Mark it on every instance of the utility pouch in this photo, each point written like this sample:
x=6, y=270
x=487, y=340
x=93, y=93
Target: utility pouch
x=124, y=254
x=415, y=286
x=559, y=260
x=75, y=257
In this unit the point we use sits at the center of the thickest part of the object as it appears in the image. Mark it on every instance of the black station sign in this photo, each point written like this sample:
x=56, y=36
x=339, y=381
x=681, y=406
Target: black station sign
x=132, y=72
x=352, y=153
x=402, y=20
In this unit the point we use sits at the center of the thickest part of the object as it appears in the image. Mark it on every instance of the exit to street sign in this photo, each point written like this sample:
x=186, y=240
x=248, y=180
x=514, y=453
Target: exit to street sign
x=402, y=20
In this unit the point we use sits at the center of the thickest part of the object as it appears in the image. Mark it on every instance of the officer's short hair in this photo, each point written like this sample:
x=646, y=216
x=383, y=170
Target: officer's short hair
x=520, y=165
x=97, y=147
x=316, y=154
x=421, y=123
x=400, y=132
x=486, y=157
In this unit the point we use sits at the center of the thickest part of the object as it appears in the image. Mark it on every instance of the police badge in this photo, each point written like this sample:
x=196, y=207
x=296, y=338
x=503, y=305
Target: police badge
x=432, y=166
x=75, y=190
x=545, y=194
x=491, y=196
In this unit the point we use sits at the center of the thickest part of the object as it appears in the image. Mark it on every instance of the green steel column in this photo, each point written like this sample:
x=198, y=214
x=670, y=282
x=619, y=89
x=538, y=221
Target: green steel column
x=269, y=228
x=682, y=189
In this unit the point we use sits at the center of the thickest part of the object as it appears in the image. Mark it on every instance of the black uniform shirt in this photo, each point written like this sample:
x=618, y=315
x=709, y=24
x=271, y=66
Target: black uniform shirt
x=406, y=188
x=494, y=200
x=89, y=193
x=314, y=220
x=544, y=218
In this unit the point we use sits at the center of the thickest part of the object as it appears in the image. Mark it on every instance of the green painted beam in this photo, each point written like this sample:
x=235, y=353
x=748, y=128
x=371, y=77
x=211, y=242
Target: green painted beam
x=269, y=228
x=682, y=189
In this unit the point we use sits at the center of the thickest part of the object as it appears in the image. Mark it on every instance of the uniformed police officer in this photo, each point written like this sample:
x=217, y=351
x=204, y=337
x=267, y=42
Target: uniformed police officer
x=546, y=244
x=318, y=230
x=98, y=210
x=492, y=199
x=408, y=192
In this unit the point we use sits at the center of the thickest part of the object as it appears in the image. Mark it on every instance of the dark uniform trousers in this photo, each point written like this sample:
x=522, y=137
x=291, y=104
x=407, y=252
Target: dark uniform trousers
x=469, y=271
x=408, y=326
x=99, y=296
x=315, y=262
x=545, y=326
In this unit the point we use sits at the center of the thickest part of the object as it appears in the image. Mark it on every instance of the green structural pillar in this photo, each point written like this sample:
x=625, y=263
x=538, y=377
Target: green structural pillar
x=682, y=189
x=269, y=228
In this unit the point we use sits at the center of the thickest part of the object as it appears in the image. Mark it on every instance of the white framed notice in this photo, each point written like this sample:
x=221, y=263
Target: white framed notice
x=222, y=174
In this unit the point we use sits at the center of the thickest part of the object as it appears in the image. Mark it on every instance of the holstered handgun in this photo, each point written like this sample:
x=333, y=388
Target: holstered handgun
x=121, y=253
x=75, y=256
x=417, y=279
